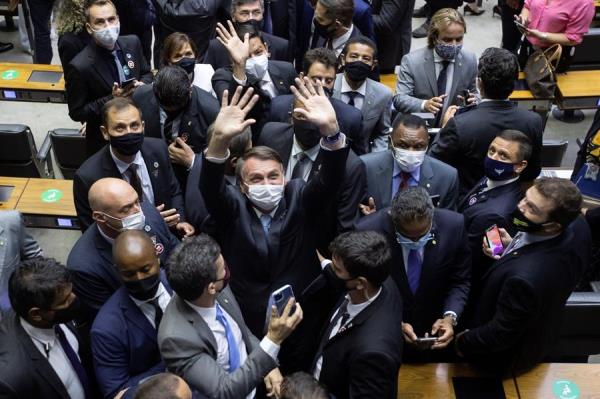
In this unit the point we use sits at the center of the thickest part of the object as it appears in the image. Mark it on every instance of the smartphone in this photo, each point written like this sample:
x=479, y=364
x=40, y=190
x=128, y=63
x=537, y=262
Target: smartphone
x=493, y=239
x=427, y=339
x=280, y=298
x=465, y=108
x=435, y=199
x=520, y=25
x=127, y=83
x=465, y=95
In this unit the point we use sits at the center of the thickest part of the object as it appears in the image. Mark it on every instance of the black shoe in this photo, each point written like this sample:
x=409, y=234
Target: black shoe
x=6, y=47
x=421, y=31
x=497, y=10
x=468, y=9
x=421, y=12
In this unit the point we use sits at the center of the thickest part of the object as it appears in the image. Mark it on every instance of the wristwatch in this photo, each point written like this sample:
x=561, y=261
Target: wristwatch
x=333, y=138
x=453, y=316
x=545, y=35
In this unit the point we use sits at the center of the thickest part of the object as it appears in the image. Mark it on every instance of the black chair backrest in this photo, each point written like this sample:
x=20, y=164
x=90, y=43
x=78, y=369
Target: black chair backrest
x=587, y=54
x=69, y=150
x=17, y=151
x=553, y=152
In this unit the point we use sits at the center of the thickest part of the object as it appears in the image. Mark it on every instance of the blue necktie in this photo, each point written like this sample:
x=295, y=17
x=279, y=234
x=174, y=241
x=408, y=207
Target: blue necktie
x=74, y=360
x=119, y=67
x=413, y=270
x=234, y=353
x=268, y=22
x=265, y=220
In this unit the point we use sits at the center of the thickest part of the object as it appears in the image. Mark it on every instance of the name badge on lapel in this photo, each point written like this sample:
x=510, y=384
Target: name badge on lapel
x=155, y=169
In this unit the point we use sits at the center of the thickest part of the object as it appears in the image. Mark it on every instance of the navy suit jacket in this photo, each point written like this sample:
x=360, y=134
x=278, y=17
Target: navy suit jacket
x=349, y=119
x=446, y=270
x=94, y=275
x=124, y=344
x=162, y=178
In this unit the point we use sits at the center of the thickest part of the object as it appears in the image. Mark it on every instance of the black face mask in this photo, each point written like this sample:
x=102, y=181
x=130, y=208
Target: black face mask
x=225, y=279
x=357, y=71
x=187, y=63
x=307, y=134
x=127, y=144
x=522, y=223
x=256, y=25
x=328, y=91
x=143, y=289
x=323, y=30
x=65, y=315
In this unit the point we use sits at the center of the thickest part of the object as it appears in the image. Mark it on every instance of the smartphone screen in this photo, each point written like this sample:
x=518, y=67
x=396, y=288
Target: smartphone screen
x=493, y=238
x=126, y=83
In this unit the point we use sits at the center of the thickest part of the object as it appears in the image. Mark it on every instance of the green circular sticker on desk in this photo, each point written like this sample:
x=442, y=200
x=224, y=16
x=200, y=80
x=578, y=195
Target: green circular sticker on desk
x=10, y=74
x=52, y=195
x=565, y=389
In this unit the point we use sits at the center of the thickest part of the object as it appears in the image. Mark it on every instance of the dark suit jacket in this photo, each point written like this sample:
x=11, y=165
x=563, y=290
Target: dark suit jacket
x=435, y=176
x=349, y=119
x=483, y=211
x=343, y=212
x=518, y=314
x=95, y=278
x=282, y=74
x=259, y=264
x=70, y=44
x=446, y=270
x=89, y=82
x=26, y=373
x=392, y=19
x=196, y=213
x=218, y=56
x=363, y=360
x=464, y=141
x=284, y=20
x=164, y=184
x=124, y=344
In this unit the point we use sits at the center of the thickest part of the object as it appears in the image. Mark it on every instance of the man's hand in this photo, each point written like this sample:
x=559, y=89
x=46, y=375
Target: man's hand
x=185, y=229
x=445, y=328
x=239, y=50
x=181, y=153
x=117, y=91
x=409, y=334
x=138, y=83
x=504, y=237
x=435, y=104
x=273, y=382
x=369, y=208
x=12, y=5
x=280, y=327
x=82, y=129
x=317, y=107
x=170, y=216
x=231, y=120
x=449, y=114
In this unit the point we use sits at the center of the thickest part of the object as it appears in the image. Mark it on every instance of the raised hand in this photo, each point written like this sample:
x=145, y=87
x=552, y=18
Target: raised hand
x=239, y=50
x=317, y=107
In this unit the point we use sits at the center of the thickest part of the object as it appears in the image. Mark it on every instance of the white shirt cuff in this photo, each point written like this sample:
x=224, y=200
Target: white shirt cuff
x=192, y=164
x=240, y=82
x=270, y=347
x=216, y=159
x=423, y=105
x=324, y=263
x=449, y=312
x=326, y=146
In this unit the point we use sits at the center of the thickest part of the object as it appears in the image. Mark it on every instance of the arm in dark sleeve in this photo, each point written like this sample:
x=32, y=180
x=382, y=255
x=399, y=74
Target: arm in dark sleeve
x=445, y=147
x=516, y=306
x=352, y=191
x=450, y=200
x=82, y=205
x=223, y=80
x=145, y=71
x=460, y=279
x=220, y=203
x=80, y=108
x=534, y=167
x=373, y=376
x=392, y=11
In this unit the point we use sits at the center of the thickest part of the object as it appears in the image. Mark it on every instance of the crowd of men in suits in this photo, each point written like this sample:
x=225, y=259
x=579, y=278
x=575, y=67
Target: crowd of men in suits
x=196, y=206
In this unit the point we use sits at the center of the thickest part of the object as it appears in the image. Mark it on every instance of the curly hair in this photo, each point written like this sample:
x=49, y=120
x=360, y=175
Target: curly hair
x=70, y=17
x=498, y=71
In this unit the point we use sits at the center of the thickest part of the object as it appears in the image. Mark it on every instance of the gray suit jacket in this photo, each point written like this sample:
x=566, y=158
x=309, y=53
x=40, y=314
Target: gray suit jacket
x=15, y=245
x=376, y=112
x=436, y=177
x=417, y=80
x=189, y=349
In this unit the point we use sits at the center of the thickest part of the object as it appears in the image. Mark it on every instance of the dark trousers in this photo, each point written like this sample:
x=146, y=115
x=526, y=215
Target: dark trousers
x=40, y=11
x=435, y=5
x=510, y=33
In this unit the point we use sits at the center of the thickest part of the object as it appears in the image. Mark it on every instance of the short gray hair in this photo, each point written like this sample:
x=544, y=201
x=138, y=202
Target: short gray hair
x=236, y=3
x=413, y=203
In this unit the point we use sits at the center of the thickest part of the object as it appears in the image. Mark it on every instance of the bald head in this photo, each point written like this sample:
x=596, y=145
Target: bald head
x=104, y=193
x=112, y=200
x=135, y=257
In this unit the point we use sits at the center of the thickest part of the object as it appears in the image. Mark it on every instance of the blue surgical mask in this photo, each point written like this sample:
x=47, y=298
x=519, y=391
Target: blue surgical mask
x=498, y=170
x=416, y=245
x=448, y=51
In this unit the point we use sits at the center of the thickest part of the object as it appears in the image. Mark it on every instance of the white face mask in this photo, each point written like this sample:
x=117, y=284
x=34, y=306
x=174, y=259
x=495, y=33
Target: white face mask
x=265, y=196
x=137, y=221
x=257, y=66
x=107, y=37
x=409, y=161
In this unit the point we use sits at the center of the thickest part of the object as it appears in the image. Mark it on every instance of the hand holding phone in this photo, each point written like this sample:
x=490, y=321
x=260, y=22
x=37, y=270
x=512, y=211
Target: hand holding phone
x=493, y=240
x=126, y=84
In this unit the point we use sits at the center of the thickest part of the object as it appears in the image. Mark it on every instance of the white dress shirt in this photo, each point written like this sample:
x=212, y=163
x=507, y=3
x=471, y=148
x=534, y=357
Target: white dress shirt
x=353, y=310
x=142, y=173
x=266, y=84
x=202, y=77
x=359, y=98
x=46, y=341
x=449, y=78
x=338, y=44
x=148, y=309
x=311, y=154
x=209, y=315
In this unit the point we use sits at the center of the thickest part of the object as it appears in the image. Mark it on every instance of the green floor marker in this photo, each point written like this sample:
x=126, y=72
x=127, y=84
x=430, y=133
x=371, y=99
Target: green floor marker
x=10, y=74
x=52, y=195
x=565, y=389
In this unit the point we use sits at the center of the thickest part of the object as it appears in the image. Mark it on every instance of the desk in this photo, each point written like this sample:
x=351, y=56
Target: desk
x=389, y=79
x=526, y=100
x=434, y=380
x=578, y=90
x=32, y=82
x=538, y=382
x=565, y=173
x=19, y=184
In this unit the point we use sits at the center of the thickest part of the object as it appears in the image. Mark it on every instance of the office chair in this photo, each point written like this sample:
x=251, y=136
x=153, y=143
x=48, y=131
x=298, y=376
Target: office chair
x=69, y=150
x=553, y=152
x=19, y=156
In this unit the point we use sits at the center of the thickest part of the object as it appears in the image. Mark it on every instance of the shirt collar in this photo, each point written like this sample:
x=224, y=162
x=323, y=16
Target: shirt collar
x=361, y=90
x=311, y=153
x=266, y=78
x=499, y=183
x=530, y=238
x=122, y=166
x=111, y=241
x=205, y=313
x=437, y=59
x=341, y=41
x=355, y=309
x=259, y=213
x=46, y=336
x=415, y=174
x=159, y=292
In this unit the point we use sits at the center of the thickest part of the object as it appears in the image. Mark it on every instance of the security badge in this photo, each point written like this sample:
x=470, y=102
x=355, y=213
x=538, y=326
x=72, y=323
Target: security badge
x=128, y=56
x=592, y=172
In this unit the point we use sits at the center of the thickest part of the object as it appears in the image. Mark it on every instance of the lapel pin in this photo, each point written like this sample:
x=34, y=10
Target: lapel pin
x=225, y=300
x=155, y=165
x=434, y=242
x=128, y=55
x=281, y=83
x=428, y=185
x=189, y=123
x=515, y=252
x=130, y=64
x=147, y=228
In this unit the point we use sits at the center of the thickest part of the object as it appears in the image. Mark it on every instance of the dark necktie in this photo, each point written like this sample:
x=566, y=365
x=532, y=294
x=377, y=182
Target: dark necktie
x=74, y=360
x=168, y=128
x=413, y=269
x=134, y=180
x=119, y=67
x=441, y=80
x=265, y=220
x=267, y=19
x=405, y=176
x=301, y=163
x=158, y=312
x=234, y=352
x=351, y=96
x=341, y=314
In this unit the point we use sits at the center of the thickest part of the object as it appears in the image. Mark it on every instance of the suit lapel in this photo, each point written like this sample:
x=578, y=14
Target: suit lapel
x=129, y=55
x=337, y=86
x=369, y=100
x=198, y=324
x=455, y=77
x=135, y=315
x=100, y=65
x=430, y=71
x=385, y=172
x=256, y=228
x=426, y=174
x=108, y=164
x=275, y=235
x=279, y=83
x=152, y=166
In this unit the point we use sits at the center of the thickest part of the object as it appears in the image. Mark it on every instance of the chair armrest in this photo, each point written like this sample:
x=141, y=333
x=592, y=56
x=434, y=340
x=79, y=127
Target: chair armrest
x=42, y=154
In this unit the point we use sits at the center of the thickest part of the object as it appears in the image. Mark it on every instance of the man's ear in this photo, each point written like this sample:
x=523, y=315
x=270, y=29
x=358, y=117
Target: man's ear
x=98, y=217
x=104, y=132
x=211, y=289
x=232, y=162
x=519, y=167
x=553, y=228
x=35, y=314
x=374, y=65
x=362, y=283
x=88, y=28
